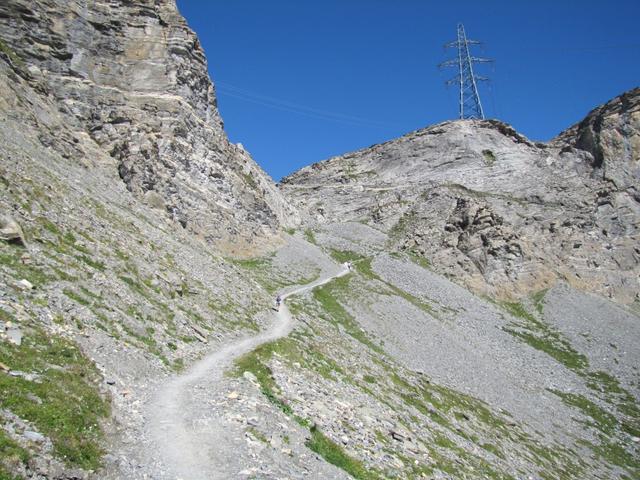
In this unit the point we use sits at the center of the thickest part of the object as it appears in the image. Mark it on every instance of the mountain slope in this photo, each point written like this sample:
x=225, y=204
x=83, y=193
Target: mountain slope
x=502, y=214
x=124, y=209
x=120, y=200
x=131, y=80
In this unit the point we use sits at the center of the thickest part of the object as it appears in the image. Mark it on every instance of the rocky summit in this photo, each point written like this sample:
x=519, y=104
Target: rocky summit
x=503, y=215
x=458, y=303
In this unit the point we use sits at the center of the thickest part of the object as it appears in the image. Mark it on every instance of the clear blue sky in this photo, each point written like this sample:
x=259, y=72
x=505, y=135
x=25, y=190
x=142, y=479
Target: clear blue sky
x=299, y=81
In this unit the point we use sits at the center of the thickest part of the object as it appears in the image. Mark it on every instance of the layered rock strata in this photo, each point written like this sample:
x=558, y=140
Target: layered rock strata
x=132, y=78
x=504, y=215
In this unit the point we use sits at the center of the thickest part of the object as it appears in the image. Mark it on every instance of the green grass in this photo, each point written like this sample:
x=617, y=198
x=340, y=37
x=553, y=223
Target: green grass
x=95, y=264
x=334, y=454
x=76, y=297
x=610, y=448
x=250, y=181
x=623, y=414
x=256, y=363
x=418, y=259
x=489, y=157
x=13, y=56
x=538, y=300
x=543, y=337
x=342, y=256
x=10, y=260
x=310, y=236
x=72, y=407
x=401, y=227
x=270, y=278
x=364, y=267
x=10, y=453
x=327, y=296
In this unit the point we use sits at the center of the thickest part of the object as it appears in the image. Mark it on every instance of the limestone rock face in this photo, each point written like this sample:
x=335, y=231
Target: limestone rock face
x=503, y=215
x=133, y=77
x=611, y=134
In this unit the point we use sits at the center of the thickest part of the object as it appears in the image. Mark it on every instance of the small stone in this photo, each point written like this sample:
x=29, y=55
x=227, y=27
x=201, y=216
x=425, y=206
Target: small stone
x=287, y=451
x=25, y=284
x=250, y=376
x=4, y=367
x=635, y=439
x=111, y=382
x=233, y=395
x=34, y=436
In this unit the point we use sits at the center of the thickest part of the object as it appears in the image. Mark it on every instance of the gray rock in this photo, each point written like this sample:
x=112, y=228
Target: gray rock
x=140, y=88
x=535, y=214
x=10, y=231
x=34, y=436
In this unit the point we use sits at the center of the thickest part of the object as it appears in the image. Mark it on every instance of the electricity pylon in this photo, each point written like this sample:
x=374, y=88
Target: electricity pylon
x=470, y=106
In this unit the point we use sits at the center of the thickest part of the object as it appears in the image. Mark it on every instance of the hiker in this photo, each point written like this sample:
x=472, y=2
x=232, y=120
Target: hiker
x=278, y=302
x=349, y=266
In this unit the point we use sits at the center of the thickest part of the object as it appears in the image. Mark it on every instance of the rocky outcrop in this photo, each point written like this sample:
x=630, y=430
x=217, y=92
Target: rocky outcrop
x=132, y=78
x=503, y=215
x=611, y=135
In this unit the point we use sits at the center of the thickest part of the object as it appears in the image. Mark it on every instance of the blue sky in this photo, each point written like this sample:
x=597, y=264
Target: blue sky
x=299, y=81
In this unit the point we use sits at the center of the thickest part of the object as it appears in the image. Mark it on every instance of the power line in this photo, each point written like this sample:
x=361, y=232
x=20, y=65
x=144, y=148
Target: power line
x=229, y=90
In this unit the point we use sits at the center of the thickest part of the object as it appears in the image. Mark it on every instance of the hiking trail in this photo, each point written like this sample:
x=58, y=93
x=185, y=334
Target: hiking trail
x=183, y=440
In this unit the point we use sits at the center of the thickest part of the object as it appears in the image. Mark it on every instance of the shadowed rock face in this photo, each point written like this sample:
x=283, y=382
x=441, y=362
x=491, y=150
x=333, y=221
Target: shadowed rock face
x=133, y=77
x=504, y=215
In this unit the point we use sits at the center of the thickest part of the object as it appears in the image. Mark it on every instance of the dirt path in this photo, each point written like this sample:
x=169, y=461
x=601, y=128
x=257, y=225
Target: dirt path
x=184, y=440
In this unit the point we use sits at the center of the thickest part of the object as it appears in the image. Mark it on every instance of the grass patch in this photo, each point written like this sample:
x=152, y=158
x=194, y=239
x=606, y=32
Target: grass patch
x=13, y=56
x=270, y=278
x=418, y=259
x=337, y=314
x=10, y=453
x=538, y=300
x=95, y=264
x=364, y=267
x=543, y=337
x=401, y=227
x=489, y=157
x=72, y=407
x=10, y=260
x=342, y=256
x=310, y=236
x=76, y=297
x=334, y=454
x=256, y=363
x=610, y=448
x=250, y=181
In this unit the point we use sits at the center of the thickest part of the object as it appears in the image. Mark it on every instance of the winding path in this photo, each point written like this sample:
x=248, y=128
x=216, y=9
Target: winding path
x=184, y=440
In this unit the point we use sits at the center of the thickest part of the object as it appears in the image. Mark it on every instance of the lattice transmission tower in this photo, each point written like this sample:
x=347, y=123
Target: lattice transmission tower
x=470, y=106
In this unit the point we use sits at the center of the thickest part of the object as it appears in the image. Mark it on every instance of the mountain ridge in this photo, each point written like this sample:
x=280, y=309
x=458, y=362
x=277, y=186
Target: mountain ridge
x=486, y=180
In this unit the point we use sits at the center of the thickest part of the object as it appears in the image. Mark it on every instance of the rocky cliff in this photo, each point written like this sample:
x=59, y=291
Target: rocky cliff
x=504, y=215
x=130, y=79
x=121, y=201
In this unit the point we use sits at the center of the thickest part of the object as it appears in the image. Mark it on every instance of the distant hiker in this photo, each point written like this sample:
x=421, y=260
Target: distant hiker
x=278, y=302
x=349, y=266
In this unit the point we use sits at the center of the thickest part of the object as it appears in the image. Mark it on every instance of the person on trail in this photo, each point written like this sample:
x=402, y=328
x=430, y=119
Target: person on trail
x=349, y=266
x=278, y=302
